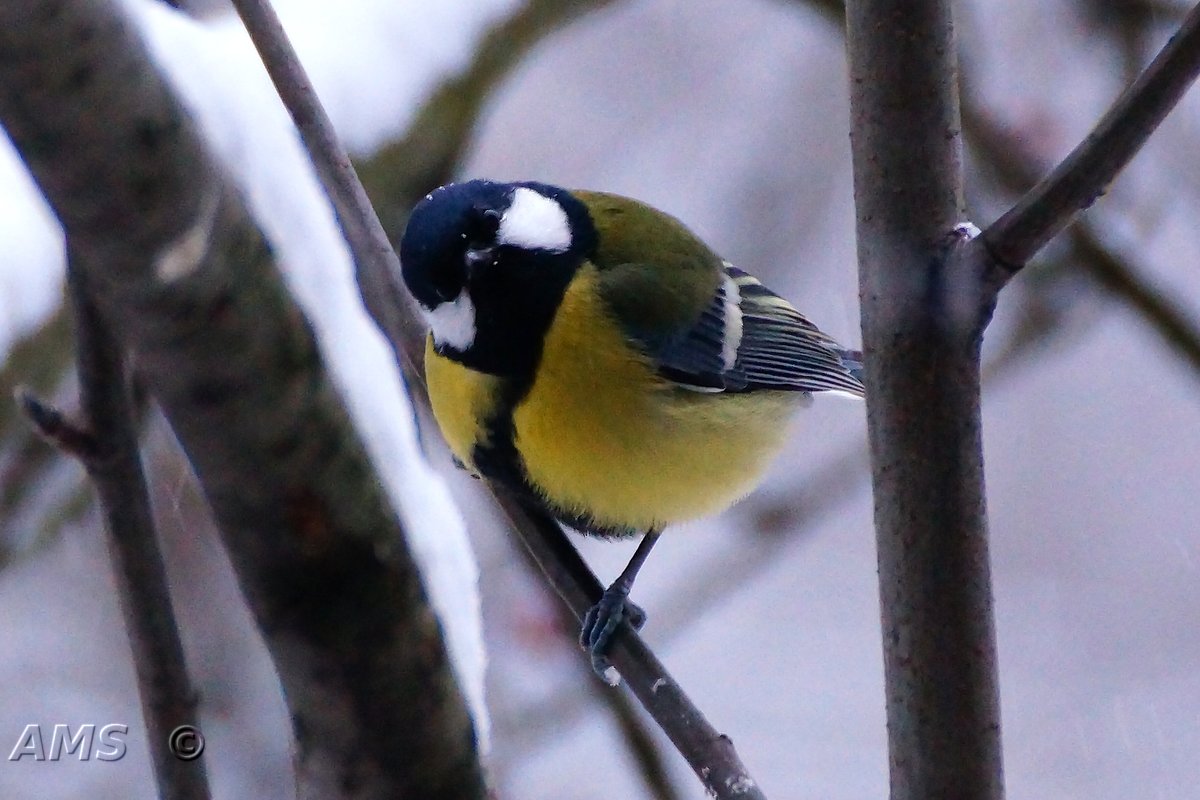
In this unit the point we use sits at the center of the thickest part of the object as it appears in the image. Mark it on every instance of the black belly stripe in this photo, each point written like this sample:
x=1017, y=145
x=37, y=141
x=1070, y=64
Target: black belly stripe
x=500, y=462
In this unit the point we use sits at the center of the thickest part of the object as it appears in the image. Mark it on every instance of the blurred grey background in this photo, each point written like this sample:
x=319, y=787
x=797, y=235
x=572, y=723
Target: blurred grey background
x=733, y=116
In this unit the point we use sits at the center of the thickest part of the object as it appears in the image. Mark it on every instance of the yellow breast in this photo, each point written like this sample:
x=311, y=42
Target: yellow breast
x=462, y=400
x=603, y=436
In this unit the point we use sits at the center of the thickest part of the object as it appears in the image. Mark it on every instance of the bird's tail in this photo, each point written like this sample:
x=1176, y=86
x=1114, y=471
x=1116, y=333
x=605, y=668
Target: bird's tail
x=853, y=361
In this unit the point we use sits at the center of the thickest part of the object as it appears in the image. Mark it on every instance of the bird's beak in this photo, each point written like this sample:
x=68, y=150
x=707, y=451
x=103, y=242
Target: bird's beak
x=477, y=258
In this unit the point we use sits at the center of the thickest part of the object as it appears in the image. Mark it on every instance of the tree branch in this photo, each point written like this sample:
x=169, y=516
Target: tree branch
x=377, y=268
x=1085, y=174
x=1016, y=170
x=39, y=359
x=638, y=737
x=921, y=334
x=814, y=497
x=175, y=264
x=57, y=429
x=710, y=753
x=107, y=446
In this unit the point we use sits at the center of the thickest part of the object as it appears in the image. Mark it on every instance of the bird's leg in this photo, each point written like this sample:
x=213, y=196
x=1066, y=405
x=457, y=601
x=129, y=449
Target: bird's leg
x=602, y=619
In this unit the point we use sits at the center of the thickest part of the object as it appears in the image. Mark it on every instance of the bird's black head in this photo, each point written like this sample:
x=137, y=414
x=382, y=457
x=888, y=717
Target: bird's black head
x=489, y=263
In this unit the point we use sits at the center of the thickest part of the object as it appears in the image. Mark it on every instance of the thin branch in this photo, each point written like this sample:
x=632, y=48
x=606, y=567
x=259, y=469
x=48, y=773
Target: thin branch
x=1016, y=170
x=107, y=447
x=710, y=753
x=38, y=359
x=643, y=748
x=1086, y=173
x=57, y=428
x=377, y=269
x=34, y=506
x=638, y=738
x=1158, y=310
x=174, y=262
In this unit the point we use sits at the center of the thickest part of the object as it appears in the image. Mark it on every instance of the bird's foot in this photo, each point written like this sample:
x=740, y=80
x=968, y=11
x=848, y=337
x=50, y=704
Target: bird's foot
x=602, y=621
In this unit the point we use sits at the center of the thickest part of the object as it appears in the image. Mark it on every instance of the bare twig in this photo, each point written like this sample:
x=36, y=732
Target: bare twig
x=1016, y=170
x=1085, y=174
x=710, y=754
x=56, y=428
x=642, y=746
x=34, y=504
x=38, y=359
x=175, y=264
x=107, y=447
x=1174, y=325
x=377, y=268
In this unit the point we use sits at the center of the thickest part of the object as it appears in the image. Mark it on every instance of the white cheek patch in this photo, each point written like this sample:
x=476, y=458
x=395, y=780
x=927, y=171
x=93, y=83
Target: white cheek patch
x=453, y=323
x=733, y=322
x=534, y=222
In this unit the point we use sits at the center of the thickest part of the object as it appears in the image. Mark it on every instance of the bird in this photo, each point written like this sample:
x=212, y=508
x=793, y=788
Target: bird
x=590, y=354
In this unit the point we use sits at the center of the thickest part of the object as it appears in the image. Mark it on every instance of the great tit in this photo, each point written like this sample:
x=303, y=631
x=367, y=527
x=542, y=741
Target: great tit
x=591, y=354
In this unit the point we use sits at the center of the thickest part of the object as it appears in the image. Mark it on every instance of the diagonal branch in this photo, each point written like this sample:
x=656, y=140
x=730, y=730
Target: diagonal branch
x=711, y=754
x=377, y=268
x=107, y=446
x=174, y=262
x=1085, y=174
x=1016, y=170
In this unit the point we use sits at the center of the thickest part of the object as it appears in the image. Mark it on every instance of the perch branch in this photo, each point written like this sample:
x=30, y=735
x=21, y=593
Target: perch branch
x=377, y=269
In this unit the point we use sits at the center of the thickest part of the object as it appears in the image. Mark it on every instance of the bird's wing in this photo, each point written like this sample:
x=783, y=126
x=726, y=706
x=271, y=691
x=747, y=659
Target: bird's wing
x=750, y=338
x=708, y=325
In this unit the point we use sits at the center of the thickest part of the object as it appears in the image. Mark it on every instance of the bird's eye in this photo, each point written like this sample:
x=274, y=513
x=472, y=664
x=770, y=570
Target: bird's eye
x=481, y=228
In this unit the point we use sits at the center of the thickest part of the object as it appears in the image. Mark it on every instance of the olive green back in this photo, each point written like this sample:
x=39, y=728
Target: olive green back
x=655, y=274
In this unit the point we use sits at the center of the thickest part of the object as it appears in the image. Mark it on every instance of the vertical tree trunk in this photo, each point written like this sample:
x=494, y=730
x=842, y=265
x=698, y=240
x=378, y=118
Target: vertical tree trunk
x=922, y=316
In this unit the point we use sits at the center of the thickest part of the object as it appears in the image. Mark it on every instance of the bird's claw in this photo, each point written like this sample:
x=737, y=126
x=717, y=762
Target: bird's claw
x=602, y=621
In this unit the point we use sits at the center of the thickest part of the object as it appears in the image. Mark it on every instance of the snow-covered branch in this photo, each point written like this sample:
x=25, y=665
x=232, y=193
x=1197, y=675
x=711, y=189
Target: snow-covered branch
x=191, y=287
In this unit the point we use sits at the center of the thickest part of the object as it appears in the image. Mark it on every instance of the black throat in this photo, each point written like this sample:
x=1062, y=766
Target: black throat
x=515, y=303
